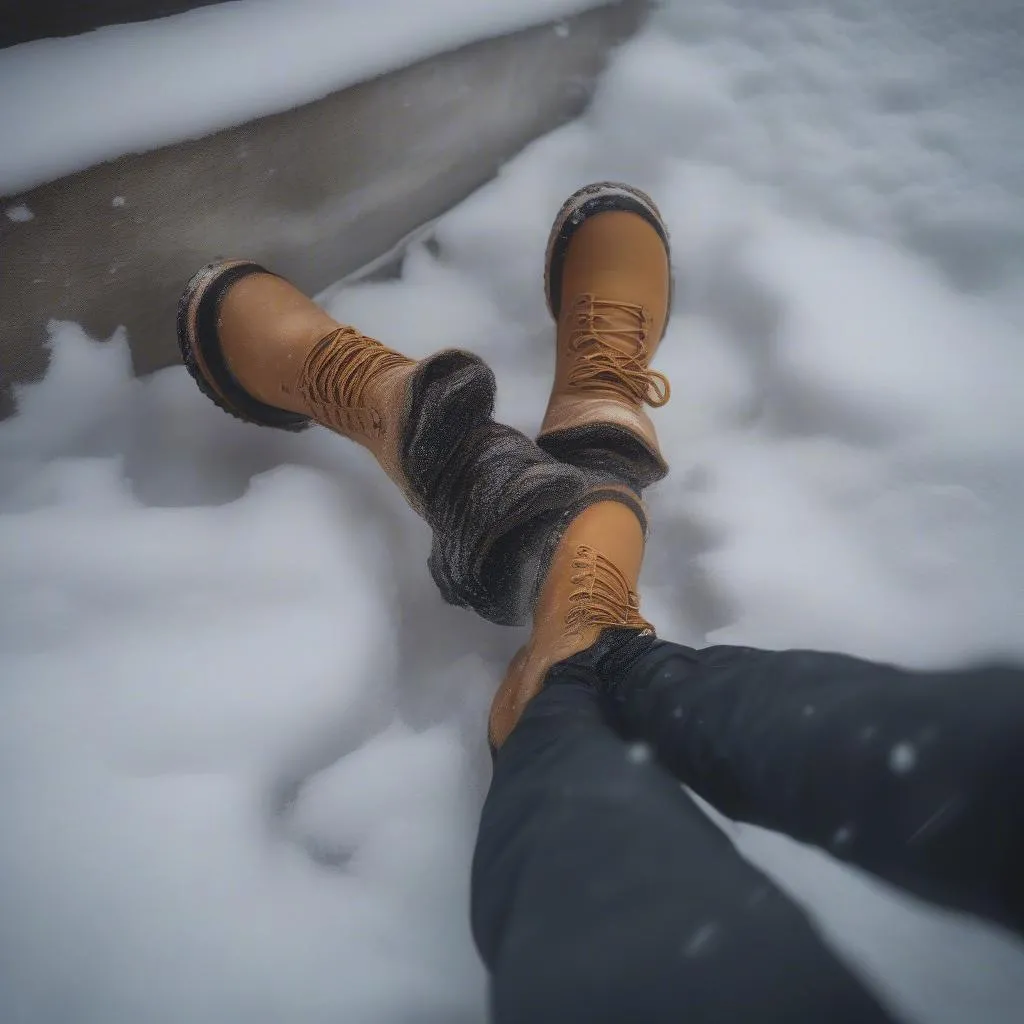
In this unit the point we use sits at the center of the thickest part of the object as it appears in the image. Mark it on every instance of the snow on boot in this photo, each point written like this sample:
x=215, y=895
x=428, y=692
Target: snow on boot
x=589, y=587
x=609, y=287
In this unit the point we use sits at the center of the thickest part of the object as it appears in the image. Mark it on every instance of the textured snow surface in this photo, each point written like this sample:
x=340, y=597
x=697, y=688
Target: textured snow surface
x=71, y=103
x=241, y=739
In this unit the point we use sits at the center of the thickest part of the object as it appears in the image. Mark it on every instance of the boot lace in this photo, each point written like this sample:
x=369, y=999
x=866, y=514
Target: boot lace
x=602, y=366
x=602, y=596
x=338, y=377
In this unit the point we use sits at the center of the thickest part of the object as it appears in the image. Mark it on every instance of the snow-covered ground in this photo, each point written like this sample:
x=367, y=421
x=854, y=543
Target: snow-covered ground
x=241, y=749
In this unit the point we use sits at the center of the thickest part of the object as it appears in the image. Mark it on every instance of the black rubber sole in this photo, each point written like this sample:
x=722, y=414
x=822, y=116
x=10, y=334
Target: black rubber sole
x=600, y=197
x=197, y=321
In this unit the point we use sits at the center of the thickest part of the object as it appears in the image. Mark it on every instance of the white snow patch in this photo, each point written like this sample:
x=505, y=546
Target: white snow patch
x=19, y=214
x=71, y=103
x=198, y=738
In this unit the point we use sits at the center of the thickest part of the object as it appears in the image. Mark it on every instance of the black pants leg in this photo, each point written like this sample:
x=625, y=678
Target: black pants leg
x=916, y=777
x=601, y=892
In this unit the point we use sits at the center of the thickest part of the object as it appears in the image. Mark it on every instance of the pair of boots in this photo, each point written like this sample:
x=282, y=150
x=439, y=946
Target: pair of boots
x=553, y=528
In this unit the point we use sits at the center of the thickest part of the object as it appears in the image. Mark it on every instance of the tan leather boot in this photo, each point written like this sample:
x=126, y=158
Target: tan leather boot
x=495, y=502
x=590, y=586
x=609, y=288
x=268, y=354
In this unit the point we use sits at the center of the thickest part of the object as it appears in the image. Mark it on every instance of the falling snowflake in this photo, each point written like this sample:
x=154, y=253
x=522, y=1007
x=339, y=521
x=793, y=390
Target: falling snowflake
x=702, y=939
x=638, y=753
x=903, y=758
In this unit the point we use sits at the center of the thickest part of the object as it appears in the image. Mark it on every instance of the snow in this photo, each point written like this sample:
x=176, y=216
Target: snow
x=19, y=214
x=71, y=103
x=703, y=939
x=903, y=758
x=241, y=739
x=639, y=753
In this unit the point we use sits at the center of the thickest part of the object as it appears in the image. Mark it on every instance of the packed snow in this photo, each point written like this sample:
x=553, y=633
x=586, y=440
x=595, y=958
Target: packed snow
x=241, y=738
x=159, y=82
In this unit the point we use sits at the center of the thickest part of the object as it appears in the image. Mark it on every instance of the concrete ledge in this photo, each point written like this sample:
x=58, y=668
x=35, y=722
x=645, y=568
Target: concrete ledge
x=316, y=193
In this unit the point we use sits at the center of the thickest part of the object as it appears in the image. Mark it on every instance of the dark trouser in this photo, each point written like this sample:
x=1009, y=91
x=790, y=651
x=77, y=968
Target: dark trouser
x=602, y=893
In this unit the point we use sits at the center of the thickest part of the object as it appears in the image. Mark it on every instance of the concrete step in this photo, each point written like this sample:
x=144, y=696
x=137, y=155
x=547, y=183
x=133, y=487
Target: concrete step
x=315, y=193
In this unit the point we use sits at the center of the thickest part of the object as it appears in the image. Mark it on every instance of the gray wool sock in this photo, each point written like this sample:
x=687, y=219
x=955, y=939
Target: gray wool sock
x=496, y=502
